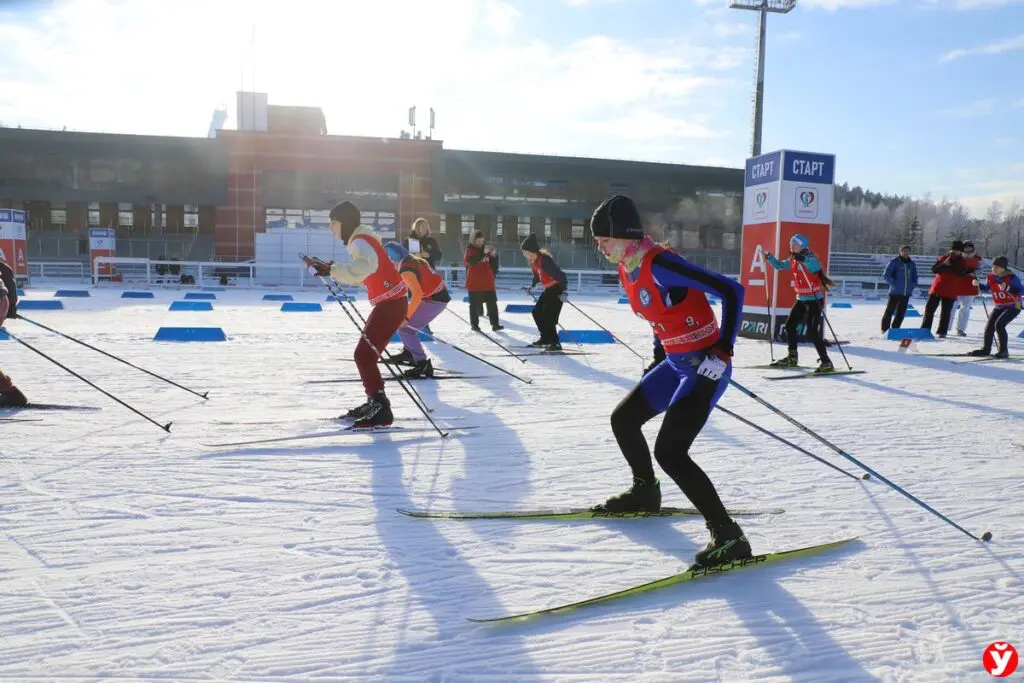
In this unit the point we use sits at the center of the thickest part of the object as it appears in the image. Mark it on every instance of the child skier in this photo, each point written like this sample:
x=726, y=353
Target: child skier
x=10, y=395
x=810, y=284
x=1006, y=305
x=386, y=291
x=670, y=294
x=429, y=298
x=549, y=304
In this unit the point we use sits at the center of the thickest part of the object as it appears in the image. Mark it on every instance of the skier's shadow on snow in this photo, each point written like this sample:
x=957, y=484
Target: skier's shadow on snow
x=778, y=620
x=438, y=579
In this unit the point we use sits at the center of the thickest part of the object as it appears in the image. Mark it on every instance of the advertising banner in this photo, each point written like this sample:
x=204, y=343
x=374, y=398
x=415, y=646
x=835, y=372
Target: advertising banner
x=13, y=241
x=785, y=193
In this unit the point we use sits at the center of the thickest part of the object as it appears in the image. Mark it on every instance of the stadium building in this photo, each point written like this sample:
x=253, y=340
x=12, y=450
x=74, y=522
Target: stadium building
x=207, y=199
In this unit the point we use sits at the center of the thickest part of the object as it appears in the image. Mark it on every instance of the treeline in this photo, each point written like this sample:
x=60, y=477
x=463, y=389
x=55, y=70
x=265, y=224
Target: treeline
x=874, y=222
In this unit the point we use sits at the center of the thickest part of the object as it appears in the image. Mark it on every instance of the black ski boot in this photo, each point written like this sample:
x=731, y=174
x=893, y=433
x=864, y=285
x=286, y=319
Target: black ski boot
x=10, y=395
x=979, y=352
x=553, y=346
x=423, y=369
x=728, y=544
x=403, y=358
x=537, y=344
x=497, y=328
x=357, y=412
x=13, y=398
x=641, y=497
x=824, y=367
x=377, y=415
x=789, y=361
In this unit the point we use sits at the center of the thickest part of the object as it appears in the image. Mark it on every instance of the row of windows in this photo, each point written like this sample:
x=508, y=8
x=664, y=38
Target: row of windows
x=40, y=170
x=329, y=185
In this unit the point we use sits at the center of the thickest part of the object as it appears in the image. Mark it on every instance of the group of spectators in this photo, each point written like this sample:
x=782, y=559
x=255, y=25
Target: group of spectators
x=481, y=261
x=955, y=285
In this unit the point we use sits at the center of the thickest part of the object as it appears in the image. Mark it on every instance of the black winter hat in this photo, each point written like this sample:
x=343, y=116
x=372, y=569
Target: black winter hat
x=530, y=244
x=1001, y=261
x=958, y=245
x=907, y=247
x=348, y=215
x=617, y=217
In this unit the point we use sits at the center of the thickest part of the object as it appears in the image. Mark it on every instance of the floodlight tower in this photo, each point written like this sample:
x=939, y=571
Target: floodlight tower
x=762, y=7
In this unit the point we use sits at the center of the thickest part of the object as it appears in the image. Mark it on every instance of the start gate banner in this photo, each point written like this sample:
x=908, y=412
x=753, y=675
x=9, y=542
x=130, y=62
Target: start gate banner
x=784, y=193
x=13, y=238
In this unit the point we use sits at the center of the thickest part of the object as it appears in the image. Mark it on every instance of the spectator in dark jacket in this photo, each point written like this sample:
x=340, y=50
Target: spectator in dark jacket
x=901, y=276
x=481, y=266
x=429, y=249
x=948, y=269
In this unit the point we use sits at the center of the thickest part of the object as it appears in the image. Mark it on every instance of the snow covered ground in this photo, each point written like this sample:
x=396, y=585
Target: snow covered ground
x=128, y=553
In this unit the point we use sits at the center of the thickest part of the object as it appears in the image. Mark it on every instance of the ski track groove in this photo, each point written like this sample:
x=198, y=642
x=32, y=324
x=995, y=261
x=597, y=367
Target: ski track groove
x=127, y=555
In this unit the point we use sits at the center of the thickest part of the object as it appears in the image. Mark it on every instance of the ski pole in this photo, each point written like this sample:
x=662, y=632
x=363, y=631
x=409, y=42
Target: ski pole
x=166, y=427
x=408, y=390
x=110, y=355
x=411, y=392
x=790, y=444
x=489, y=337
x=771, y=319
x=631, y=350
x=471, y=355
x=834, y=336
x=987, y=536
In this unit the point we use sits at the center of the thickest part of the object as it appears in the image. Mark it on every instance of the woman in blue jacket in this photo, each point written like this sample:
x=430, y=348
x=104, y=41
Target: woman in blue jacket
x=901, y=276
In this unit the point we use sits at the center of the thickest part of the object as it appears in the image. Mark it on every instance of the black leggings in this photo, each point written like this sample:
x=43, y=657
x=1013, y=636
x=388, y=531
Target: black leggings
x=934, y=301
x=683, y=421
x=810, y=314
x=997, y=322
x=546, y=312
x=477, y=300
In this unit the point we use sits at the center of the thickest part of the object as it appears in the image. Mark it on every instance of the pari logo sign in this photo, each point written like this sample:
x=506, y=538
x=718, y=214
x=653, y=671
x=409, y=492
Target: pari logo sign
x=806, y=202
x=1000, y=660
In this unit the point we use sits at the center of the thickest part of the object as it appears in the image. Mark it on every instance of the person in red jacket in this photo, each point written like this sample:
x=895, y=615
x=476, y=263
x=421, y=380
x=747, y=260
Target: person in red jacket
x=967, y=288
x=944, y=289
x=481, y=267
x=369, y=266
x=10, y=395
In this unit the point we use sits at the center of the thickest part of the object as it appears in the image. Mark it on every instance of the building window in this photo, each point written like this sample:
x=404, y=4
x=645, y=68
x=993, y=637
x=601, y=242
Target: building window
x=577, y=230
x=94, y=217
x=524, y=226
x=125, y=219
x=547, y=228
x=442, y=227
x=58, y=217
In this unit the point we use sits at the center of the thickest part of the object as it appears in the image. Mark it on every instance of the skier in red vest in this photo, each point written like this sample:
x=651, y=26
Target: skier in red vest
x=810, y=284
x=369, y=266
x=549, y=304
x=10, y=395
x=691, y=370
x=429, y=299
x=1006, y=305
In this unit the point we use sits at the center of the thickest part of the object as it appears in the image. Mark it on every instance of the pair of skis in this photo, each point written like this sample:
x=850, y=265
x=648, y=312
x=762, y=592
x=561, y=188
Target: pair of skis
x=344, y=431
x=804, y=375
x=690, y=574
x=970, y=358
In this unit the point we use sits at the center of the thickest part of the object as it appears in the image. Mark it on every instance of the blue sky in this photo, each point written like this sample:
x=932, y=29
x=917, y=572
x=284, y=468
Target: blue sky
x=913, y=96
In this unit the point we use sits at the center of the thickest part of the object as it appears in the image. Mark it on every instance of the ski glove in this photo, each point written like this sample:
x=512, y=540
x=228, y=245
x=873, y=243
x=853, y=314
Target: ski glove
x=713, y=368
x=563, y=297
x=321, y=268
